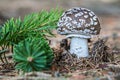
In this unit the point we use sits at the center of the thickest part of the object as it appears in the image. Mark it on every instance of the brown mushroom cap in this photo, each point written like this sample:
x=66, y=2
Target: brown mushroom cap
x=79, y=21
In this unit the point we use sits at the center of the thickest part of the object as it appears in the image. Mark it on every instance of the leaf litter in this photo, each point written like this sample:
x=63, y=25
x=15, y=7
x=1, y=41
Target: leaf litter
x=102, y=64
x=102, y=60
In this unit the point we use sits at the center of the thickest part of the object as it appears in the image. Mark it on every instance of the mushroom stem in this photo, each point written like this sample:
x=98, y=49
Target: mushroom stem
x=79, y=47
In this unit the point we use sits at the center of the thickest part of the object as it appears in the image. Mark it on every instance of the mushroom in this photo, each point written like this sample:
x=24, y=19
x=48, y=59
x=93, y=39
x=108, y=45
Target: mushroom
x=79, y=24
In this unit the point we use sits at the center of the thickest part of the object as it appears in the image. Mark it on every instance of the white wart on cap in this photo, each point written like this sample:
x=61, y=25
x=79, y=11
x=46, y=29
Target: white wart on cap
x=79, y=21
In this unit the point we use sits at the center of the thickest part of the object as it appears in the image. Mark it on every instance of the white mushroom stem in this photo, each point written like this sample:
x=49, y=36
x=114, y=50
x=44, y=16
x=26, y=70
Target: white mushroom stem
x=79, y=45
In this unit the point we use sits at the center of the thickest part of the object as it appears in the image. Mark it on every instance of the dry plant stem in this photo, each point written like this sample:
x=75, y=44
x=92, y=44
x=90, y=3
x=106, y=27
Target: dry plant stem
x=2, y=59
x=5, y=58
x=100, y=52
x=71, y=58
x=3, y=52
x=3, y=48
x=90, y=63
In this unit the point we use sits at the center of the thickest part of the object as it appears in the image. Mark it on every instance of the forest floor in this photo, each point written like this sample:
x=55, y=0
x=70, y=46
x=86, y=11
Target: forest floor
x=104, y=66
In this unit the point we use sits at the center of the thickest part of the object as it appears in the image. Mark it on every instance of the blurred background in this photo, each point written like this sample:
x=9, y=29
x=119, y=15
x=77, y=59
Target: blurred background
x=108, y=12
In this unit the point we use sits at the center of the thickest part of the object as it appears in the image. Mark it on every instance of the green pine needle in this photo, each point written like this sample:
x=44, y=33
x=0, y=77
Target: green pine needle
x=32, y=54
x=16, y=30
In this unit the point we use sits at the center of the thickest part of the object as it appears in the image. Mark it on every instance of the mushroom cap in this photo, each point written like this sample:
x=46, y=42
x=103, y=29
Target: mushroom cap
x=78, y=21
